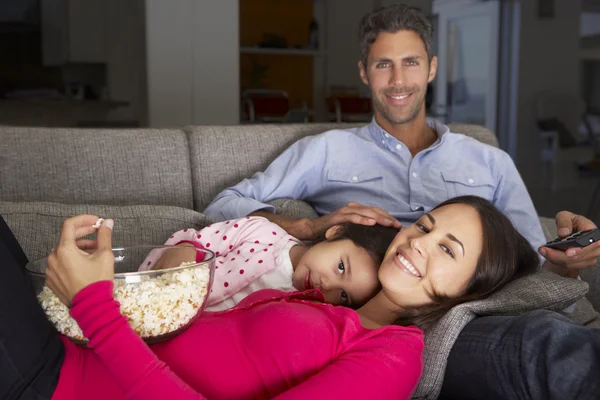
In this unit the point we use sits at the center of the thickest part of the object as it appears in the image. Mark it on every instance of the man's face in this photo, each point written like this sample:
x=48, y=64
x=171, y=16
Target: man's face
x=398, y=72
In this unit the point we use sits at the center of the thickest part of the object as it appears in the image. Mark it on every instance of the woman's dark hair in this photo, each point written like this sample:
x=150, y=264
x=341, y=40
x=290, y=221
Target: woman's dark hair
x=506, y=255
x=394, y=18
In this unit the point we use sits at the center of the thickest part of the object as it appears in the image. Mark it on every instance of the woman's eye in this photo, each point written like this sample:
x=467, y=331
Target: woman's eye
x=344, y=297
x=447, y=250
x=341, y=267
x=423, y=228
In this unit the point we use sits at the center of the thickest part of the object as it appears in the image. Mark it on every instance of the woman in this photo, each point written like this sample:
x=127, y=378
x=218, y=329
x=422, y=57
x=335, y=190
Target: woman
x=273, y=344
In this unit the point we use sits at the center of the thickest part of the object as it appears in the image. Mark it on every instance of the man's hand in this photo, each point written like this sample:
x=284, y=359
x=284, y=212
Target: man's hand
x=574, y=258
x=309, y=229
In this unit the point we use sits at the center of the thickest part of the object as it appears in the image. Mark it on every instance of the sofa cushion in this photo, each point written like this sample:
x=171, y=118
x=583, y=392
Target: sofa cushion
x=542, y=290
x=242, y=151
x=89, y=166
x=36, y=225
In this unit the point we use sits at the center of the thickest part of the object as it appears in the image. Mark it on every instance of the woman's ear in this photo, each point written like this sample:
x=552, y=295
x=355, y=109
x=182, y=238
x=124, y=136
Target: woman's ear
x=333, y=232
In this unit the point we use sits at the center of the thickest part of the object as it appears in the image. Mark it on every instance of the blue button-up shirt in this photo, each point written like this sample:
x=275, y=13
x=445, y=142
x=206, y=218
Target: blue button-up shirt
x=369, y=166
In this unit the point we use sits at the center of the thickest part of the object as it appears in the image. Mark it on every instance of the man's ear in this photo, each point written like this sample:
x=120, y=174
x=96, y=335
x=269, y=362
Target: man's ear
x=362, y=70
x=333, y=232
x=433, y=68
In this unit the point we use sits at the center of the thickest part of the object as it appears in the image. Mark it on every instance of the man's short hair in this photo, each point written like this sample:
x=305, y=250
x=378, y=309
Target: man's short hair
x=394, y=18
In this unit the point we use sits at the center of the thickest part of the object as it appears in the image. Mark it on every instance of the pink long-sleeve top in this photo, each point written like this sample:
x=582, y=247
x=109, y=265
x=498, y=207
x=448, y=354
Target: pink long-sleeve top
x=271, y=345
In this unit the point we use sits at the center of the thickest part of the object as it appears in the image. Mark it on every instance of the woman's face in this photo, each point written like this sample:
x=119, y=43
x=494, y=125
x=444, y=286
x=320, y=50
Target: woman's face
x=436, y=255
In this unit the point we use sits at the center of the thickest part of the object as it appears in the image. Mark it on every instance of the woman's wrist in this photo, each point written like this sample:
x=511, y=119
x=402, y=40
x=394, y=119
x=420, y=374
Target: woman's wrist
x=91, y=289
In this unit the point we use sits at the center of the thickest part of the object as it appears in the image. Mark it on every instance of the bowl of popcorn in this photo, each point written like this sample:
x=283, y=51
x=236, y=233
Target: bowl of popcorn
x=159, y=303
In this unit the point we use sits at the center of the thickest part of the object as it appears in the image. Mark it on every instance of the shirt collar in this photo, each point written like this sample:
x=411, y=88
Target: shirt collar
x=382, y=137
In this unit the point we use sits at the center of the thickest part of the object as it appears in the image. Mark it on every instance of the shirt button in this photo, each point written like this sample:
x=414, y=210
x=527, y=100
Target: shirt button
x=383, y=141
x=471, y=180
x=414, y=174
x=398, y=146
x=355, y=178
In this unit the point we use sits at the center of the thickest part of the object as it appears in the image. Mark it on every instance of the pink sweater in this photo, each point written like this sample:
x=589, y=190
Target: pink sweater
x=272, y=345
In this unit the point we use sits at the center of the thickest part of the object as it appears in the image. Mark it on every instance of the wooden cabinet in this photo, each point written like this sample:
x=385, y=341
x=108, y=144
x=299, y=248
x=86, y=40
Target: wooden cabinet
x=74, y=31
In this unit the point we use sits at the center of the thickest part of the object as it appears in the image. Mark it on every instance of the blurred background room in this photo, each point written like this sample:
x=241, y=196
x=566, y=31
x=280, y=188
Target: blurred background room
x=529, y=70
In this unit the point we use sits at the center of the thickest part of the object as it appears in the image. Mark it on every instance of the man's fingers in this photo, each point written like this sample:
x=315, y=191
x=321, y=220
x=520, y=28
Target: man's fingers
x=581, y=223
x=564, y=223
x=588, y=254
x=580, y=260
x=68, y=232
x=584, y=251
x=381, y=216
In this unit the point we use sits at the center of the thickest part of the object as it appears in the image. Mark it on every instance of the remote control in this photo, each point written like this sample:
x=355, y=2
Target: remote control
x=577, y=239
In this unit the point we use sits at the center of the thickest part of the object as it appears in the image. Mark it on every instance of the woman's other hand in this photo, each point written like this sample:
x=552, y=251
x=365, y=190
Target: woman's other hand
x=70, y=267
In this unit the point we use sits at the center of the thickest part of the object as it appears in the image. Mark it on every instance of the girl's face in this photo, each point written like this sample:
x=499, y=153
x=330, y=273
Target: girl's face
x=438, y=254
x=345, y=273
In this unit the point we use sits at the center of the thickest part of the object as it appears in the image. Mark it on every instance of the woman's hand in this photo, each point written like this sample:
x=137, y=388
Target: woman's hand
x=70, y=268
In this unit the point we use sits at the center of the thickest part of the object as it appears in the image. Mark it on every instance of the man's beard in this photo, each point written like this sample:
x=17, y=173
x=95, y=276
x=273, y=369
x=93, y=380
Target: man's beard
x=387, y=111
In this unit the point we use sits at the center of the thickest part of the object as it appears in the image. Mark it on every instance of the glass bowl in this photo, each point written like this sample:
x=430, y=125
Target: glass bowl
x=158, y=304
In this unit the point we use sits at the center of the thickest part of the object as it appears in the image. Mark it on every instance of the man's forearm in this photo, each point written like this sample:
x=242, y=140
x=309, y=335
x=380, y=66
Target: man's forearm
x=299, y=228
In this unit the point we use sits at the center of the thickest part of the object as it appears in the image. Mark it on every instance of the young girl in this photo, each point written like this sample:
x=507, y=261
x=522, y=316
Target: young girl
x=253, y=253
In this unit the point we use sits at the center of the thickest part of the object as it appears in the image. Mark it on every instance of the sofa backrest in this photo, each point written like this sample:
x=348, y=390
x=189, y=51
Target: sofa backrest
x=95, y=166
x=222, y=156
x=185, y=168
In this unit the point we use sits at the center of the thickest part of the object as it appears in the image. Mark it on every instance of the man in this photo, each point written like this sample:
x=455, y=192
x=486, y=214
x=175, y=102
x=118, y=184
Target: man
x=399, y=166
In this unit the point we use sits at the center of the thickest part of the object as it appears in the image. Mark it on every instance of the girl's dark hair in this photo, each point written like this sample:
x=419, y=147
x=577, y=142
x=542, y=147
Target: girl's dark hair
x=506, y=255
x=394, y=18
x=374, y=239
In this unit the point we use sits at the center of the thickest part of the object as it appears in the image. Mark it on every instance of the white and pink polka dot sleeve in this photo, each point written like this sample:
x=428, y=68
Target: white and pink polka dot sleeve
x=245, y=249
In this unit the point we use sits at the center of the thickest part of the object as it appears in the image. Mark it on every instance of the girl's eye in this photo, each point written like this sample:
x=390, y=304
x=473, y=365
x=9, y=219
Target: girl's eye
x=344, y=297
x=447, y=250
x=341, y=267
x=422, y=227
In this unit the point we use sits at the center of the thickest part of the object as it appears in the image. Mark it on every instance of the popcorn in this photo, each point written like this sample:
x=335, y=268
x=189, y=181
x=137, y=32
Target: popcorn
x=98, y=223
x=154, y=306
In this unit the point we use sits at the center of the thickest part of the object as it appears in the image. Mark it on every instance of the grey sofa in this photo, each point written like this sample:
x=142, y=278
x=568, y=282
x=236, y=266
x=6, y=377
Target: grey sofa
x=154, y=182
